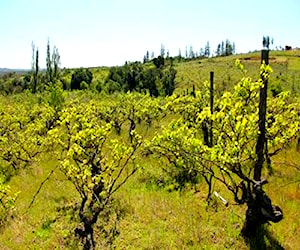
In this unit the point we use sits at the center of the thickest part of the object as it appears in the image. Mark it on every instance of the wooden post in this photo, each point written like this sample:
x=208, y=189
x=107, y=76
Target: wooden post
x=262, y=121
x=211, y=107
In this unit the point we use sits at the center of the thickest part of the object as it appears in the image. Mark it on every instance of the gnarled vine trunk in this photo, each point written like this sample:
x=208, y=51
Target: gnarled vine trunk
x=260, y=210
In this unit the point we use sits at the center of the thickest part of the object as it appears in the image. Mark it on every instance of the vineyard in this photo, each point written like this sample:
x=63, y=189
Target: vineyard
x=82, y=169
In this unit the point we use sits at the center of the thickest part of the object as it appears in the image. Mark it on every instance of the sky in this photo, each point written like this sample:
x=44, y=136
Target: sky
x=91, y=33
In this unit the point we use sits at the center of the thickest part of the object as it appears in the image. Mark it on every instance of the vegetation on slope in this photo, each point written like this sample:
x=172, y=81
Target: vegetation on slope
x=159, y=207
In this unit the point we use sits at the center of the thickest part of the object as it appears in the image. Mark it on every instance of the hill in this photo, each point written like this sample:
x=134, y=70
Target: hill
x=285, y=64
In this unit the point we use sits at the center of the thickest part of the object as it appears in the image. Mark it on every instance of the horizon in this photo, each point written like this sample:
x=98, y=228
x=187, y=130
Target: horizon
x=107, y=33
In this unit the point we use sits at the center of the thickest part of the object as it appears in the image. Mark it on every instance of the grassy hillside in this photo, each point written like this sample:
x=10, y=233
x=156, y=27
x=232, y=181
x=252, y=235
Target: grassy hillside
x=285, y=64
x=151, y=216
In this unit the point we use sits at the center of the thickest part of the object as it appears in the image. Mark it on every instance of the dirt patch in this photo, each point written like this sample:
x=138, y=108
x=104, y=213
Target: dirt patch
x=256, y=58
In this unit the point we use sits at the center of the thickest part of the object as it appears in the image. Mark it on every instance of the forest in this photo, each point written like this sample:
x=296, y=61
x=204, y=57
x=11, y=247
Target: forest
x=185, y=152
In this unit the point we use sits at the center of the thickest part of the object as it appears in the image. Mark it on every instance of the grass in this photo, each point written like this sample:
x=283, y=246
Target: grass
x=154, y=218
x=34, y=227
x=285, y=64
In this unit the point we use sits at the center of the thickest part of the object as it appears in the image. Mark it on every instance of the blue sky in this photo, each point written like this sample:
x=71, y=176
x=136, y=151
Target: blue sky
x=109, y=32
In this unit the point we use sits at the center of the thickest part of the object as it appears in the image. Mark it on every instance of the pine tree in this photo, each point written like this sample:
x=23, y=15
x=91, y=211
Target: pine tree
x=191, y=54
x=152, y=55
x=162, y=50
x=179, y=55
x=222, y=49
x=56, y=63
x=267, y=41
x=34, y=67
x=36, y=72
x=207, y=50
x=218, y=52
x=227, y=48
x=49, y=63
x=201, y=52
x=233, y=48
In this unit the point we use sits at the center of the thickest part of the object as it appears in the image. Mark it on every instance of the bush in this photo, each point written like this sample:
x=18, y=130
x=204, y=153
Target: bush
x=79, y=76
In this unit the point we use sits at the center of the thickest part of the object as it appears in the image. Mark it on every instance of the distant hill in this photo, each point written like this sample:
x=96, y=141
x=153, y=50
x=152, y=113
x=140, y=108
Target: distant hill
x=6, y=70
x=3, y=70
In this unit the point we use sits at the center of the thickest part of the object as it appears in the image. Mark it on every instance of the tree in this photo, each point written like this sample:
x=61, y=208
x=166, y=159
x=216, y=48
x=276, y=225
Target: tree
x=162, y=50
x=228, y=48
x=201, y=52
x=49, y=63
x=179, y=55
x=191, y=53
x=33, y=57
x=159, y=62
x=169, y=81
x=146, y=57
x=56, y=63
x=150, y=79
x=218, y=52
x=233, y=48
x=152, y=55
x=267, y=41
x=34, y=67
x=207, y=50
x=222, y=48
x=79, y=76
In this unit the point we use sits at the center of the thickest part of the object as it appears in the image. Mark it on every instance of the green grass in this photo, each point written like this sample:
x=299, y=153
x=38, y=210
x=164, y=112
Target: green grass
x=153, y=218
x=285, y=64
x=34, y=227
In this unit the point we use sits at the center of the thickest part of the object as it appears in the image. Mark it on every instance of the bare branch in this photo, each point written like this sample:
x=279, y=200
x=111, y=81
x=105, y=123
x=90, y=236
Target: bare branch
x=40, y=187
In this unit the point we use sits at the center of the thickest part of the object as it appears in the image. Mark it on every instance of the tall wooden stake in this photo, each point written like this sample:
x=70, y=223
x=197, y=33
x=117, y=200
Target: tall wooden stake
x=211, y=107
x=262, y=121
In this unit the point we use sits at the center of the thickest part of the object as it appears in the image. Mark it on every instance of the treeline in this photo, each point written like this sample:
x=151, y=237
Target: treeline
x=224, y=48
x=157, y=77
x=35, y=80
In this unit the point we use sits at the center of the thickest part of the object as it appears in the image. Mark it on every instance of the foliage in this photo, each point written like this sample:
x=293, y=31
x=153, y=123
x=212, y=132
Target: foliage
x=158, y=80
x=96, y=162
x=159, y=61
x=56, y=96
x=231, y=159
x=7, y=200
x=267, y=41
x=225, y=48
x=52, y=64
x=79, y=76
x=11, y=83
x=23, y=130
